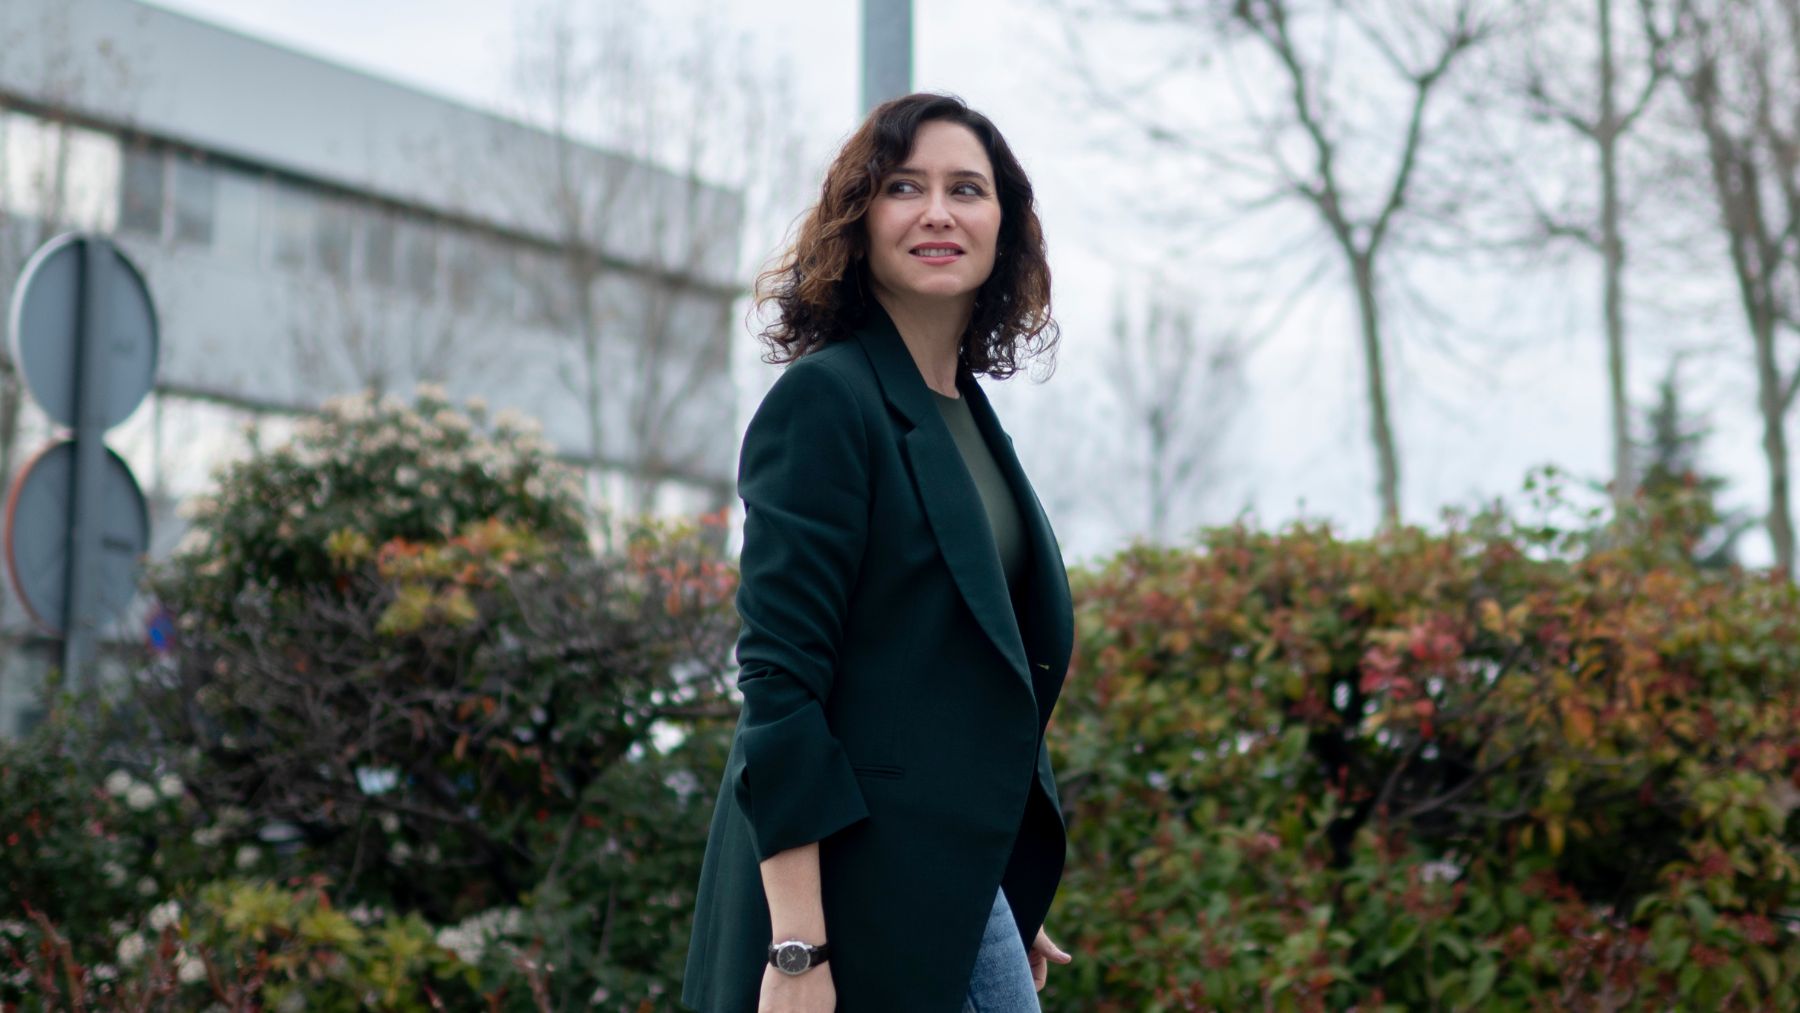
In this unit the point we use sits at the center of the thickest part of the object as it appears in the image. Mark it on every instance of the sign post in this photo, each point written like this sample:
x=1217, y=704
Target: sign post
x=84, y=335
x=887, y=55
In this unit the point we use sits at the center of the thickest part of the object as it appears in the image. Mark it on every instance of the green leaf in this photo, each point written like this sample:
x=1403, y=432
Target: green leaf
x=1454, y=944
x=1481, y=979
x=1701, y=910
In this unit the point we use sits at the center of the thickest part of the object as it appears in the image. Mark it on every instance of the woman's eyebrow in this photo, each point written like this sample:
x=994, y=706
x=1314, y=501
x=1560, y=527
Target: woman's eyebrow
x=908, y=170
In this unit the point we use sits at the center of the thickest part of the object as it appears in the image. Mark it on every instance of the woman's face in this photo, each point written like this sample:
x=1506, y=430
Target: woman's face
x=935, y=219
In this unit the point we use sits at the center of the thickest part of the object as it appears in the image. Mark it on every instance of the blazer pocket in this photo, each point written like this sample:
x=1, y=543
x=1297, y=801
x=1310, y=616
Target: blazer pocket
x=878, y=770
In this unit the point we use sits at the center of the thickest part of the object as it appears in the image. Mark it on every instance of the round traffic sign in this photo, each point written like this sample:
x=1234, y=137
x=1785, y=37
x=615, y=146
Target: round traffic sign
x=37, y=535
x=46, y=322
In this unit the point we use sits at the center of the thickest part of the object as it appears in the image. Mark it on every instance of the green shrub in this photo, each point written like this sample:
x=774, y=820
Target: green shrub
x=370, y=470
x=1503, y=767
x=247, y=945
x=87, y=839
x=446, y=702
x=1509, y=766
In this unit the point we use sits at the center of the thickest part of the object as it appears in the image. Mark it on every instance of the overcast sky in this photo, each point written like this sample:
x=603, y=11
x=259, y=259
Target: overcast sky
x=1516, y=380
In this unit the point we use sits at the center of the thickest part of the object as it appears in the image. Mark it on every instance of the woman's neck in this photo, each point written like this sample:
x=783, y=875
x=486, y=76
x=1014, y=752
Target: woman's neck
x=933, y=331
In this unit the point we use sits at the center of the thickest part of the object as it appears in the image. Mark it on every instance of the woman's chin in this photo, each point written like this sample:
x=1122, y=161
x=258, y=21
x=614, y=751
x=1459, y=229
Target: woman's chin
x=939, y=290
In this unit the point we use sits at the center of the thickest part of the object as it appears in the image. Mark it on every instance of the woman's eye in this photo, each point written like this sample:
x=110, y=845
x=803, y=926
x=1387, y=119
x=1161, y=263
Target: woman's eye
x=907, y=186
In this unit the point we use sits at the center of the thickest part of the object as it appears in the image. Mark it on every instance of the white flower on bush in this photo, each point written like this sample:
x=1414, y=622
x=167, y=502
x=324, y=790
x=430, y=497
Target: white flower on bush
x=342, y=406
x=140, y=797
x=188, y=968
x=169, y=785
x=146, y=886
x=165, y=915
x=293, y=1002
x=469, y=938
x=105, y=972
x=464, y=944
x=114, y=873
x=118, y=783
x=12, y=927
x=131, y=949
x=1440, y=871
x=406, y=475
x=247, y=856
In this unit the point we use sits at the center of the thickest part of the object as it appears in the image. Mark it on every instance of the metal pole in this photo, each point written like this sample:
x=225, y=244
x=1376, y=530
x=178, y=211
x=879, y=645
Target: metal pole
x=84, y=507
x=887, y=51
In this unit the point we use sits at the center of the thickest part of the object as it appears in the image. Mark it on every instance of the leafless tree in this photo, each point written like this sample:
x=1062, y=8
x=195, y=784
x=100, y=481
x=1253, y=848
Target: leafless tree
x=1325, y=93
x=1591, y=69
x=668, y=140
x=357, y=337
x=1177, y=383
x=1738, y=62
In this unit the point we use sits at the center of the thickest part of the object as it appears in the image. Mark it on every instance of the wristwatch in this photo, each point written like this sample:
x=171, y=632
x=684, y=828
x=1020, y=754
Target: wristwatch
x=795, y=957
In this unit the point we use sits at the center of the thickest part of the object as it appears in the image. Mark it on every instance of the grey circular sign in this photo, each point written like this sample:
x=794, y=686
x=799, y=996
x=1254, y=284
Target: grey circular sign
x=37, y=535
x=46, y=318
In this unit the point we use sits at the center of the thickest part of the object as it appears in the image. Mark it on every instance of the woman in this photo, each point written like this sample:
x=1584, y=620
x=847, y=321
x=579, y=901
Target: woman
x=888, y=835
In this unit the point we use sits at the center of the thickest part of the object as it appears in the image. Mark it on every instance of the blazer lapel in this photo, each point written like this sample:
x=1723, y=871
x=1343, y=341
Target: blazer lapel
x=1047, y=620
x=958, y=519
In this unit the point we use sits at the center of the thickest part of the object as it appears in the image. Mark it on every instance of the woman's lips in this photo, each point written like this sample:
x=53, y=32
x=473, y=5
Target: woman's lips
x=937, y=256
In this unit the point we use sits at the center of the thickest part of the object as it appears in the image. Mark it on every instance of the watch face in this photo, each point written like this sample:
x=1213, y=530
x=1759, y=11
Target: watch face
x=792, y=958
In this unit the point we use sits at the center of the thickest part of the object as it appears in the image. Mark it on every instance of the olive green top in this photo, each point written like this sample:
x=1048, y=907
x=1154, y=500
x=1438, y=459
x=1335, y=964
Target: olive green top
x=996, y=495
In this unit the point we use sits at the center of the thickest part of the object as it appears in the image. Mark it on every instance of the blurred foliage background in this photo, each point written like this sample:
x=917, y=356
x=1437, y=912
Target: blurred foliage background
x=419, y=745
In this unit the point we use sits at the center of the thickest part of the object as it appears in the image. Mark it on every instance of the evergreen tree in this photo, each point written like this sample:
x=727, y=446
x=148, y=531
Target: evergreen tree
x=1677, y=498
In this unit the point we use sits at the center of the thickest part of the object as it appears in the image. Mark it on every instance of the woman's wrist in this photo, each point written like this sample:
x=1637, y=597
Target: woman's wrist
x=810, y=931
x=791, y=884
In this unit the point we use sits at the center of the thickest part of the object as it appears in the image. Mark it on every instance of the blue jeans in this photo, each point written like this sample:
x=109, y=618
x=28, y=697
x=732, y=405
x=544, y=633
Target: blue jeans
x=1002, y=979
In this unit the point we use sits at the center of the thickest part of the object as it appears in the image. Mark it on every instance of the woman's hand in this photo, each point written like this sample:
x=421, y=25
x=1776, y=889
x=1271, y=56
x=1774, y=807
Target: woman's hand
x=809, y=992
x=1042, y=952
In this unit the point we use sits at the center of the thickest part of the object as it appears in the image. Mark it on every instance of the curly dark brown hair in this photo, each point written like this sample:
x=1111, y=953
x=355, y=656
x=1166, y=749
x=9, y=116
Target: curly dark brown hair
x=820, y=285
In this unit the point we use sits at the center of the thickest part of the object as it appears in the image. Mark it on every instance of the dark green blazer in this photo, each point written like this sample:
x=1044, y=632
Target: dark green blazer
x=895, y=692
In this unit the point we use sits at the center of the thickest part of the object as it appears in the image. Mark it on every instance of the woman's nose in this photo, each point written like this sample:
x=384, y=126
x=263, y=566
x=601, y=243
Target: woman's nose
x=937, y=212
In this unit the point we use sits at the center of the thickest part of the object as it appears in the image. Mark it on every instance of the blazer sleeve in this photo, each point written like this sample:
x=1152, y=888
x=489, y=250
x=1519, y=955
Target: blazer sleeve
x=803, y=475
